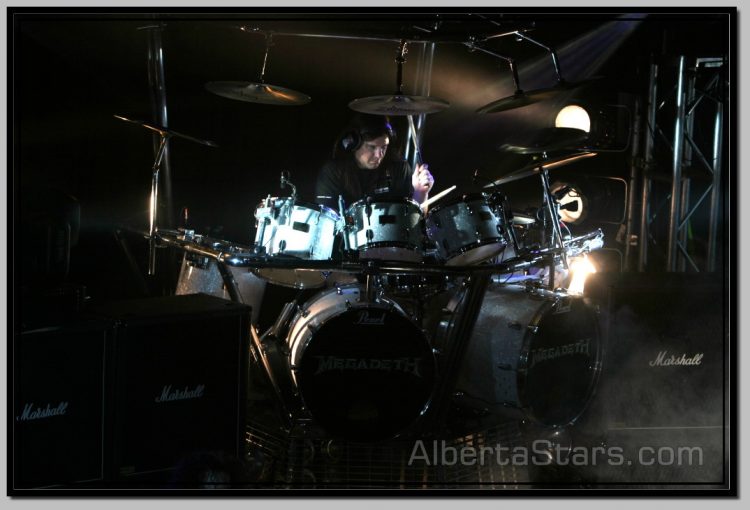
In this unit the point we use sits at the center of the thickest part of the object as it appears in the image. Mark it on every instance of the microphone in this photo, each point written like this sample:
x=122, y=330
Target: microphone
x=284, y=182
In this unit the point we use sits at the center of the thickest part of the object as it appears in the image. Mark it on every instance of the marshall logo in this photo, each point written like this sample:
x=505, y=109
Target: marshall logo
x=364, y=317
x=662, y=360
x=168, y=395
x=408, y=365
x=538, y=355
x=30, y=413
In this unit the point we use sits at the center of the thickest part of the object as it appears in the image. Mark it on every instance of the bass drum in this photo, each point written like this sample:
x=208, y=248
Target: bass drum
x=532, y=356
x=364, y=370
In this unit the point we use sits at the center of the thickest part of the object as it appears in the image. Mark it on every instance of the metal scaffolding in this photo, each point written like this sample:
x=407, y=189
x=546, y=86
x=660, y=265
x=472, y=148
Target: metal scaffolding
x=692, y=151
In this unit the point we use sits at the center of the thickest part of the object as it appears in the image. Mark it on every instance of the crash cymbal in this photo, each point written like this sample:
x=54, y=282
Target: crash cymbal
x=257, y=93
x=537, y=167
x=521, y=98
x=550, y=140
x=166, y=131
x=399, y=105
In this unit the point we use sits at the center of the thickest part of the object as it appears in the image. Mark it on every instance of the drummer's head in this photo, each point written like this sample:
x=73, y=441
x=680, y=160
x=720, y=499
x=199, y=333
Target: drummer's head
x=367, y=138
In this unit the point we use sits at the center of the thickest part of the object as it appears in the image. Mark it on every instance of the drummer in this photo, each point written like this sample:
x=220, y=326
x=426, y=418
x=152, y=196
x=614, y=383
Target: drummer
x=362, y=165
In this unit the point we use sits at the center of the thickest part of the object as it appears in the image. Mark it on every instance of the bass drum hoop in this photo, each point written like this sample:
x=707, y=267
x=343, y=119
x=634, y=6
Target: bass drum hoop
x=539, y=314
x=307, y=322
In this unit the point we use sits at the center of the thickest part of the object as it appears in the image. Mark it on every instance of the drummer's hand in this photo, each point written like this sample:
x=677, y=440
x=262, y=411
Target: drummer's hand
x=422, y=180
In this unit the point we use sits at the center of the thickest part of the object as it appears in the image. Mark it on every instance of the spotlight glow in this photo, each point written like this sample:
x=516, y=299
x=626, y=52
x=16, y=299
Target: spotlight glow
x=573, y=116
x=581, y=267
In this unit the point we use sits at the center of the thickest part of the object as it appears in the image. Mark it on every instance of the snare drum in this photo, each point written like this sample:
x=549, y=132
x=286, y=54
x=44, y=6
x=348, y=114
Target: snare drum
x=386, y=229
x=202, y=274
x=296, y=229
x=467, y=230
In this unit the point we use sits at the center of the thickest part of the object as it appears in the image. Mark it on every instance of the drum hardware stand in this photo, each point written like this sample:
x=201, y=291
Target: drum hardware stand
x=260, y=249
x=271, y=356
x=369, y=271
x=456, y=343
x=556, y=238
x=164, y=135
x=153, y=209
x=344, y=227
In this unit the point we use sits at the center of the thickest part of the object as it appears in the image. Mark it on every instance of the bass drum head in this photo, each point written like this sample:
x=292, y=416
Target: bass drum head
x=367, y=373
x=561, y=367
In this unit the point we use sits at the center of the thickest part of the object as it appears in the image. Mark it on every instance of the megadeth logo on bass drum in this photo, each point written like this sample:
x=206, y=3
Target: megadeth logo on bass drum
x=551, y=353
x=407, y=365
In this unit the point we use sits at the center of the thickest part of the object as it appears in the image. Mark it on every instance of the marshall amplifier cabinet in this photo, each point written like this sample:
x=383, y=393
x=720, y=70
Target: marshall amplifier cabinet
x=59, y=395
x=179, y=382
x=664, y=382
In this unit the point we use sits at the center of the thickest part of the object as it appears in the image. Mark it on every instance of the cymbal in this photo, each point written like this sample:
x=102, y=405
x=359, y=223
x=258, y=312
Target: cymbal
x=166, y=131
x=399, y=105
x=521, y=98
x=257, y=93
x=536, y=168
x=551, y=139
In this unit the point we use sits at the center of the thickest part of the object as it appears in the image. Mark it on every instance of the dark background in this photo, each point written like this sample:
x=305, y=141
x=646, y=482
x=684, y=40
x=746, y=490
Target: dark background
x=72, y=71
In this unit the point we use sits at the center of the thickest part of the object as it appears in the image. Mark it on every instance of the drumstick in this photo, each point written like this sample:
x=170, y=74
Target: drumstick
x=414, y=138
x=440, y=195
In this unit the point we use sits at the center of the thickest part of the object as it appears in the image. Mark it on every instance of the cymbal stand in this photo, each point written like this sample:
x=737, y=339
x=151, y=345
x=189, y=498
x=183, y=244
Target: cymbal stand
x=153, y=212
x=552, y=53
x=549, y=204
x=513, y=68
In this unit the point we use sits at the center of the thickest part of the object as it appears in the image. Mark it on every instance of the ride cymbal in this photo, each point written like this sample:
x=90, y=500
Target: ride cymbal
x=166, y=131
x=537, y=167
x=257, y=93
x=399, y=105
x=521, y=98
x=550, y=140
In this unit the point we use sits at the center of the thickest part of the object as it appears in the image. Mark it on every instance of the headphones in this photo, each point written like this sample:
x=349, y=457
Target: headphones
x=353, y=138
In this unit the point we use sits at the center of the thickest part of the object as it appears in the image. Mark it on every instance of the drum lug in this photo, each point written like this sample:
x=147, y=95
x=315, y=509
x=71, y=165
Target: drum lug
x=533, y=329
x=282, y=245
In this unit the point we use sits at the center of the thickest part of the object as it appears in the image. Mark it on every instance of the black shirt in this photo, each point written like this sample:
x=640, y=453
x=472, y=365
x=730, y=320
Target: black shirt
x=392, y=179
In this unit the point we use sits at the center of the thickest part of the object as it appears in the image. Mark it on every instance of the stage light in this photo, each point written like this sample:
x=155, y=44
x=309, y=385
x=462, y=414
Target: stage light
x=580, y=267
x=607, y=125
x=574, y=206
x=573, y=116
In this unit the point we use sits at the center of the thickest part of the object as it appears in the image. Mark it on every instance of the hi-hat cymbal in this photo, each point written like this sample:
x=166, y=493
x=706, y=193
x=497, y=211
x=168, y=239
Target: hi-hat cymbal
x=166, y=131
x=537, y=167
x=550, y=140
x=257, y=93
x=521, y=98
x=399, y=105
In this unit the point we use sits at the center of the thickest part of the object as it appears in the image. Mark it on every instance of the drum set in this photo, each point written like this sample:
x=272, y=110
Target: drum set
x=407, y=310
x=410, y=311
